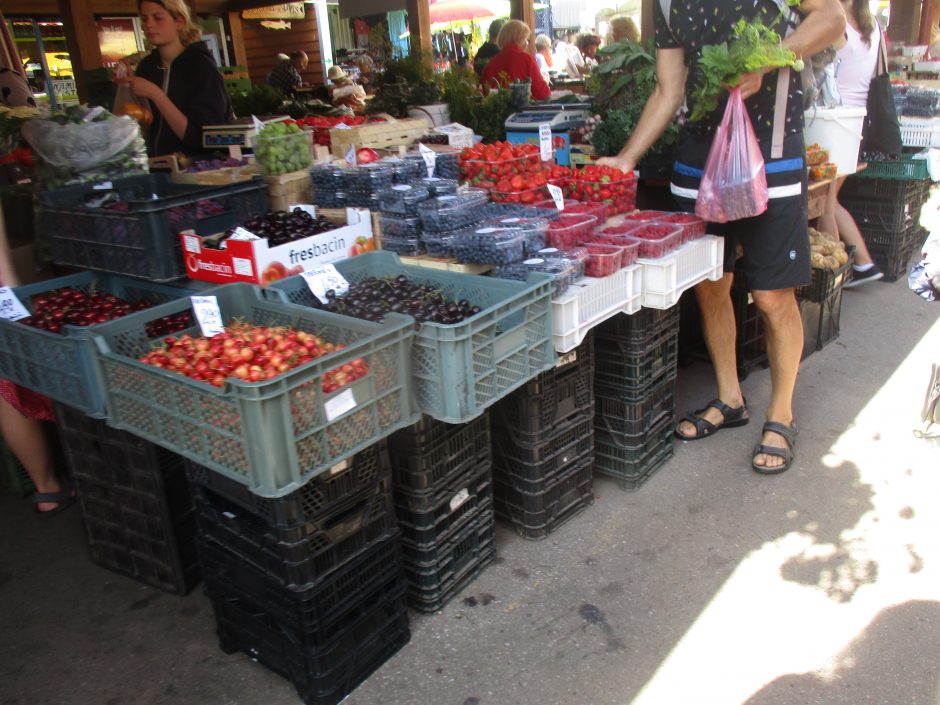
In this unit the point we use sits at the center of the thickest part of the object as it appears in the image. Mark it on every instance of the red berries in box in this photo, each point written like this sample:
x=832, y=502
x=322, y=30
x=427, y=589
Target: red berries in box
x=603, y=184
x=603, y=260
x=570, y=230
x=693, y=227
x=657, y=240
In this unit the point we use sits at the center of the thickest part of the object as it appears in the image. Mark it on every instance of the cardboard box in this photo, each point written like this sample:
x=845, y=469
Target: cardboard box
x=254, y=262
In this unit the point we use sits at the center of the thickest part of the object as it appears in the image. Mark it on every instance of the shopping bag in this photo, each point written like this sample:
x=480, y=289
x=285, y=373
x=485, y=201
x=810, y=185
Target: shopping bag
x=734, y=185
x=125, y=102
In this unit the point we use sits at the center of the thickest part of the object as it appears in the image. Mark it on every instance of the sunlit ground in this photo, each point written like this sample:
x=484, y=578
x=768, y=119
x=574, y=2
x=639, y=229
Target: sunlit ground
x=766, y=623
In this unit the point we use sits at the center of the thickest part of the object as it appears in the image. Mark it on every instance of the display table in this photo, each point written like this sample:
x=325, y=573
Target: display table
x=817, y=193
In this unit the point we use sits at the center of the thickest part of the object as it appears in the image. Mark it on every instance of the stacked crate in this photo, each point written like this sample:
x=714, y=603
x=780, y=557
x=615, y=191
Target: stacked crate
x=309, y=584
x=136, y=503
x=543, y=446
x=443, y=491
x=634, y=389
x=886, y=200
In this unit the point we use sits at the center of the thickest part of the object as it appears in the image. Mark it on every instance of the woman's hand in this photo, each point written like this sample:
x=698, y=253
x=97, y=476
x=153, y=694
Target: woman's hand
x=142, y=88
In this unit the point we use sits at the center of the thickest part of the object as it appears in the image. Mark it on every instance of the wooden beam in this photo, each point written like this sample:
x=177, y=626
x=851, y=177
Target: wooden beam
x=238, y=38
x=523, y=10
x=647, y=32
x=928, y=19
x=81, y=36
x=38, y=8
x=419, y=24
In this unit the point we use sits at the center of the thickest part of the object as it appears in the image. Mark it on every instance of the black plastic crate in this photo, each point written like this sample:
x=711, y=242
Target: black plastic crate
x=820, y=322
x=631, y=476
x=552, y=396
x=430, y=519
x=896, y=265
x=860, y=188
x=137, y=507
x=619, y=415
x=355, y=477
x=456, y=564
x=426, y=459
x=637, y=369
x=532, y=468
x=893, y=254
x=637, y=329
x=143, y=239
x=825, y=282
x=889, y=216
x=429, y=555
x=329, y=544
x=535, y=516
x=321, y=676
x=312, y=606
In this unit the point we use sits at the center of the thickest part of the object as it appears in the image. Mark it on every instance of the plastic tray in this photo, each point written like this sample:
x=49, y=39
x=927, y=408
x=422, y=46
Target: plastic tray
x=144, y=240
x=400, y=227
x=348, y=480
x=665, y=279
x=402, y=200
x=569, y=231
x=693, y=227
x=572, y=206
x=535, y=516
x=533, y=229
x=64, y=366
x=461, y=369
x=449, y=213
x=404, y=246
x=656, y=240
x=489, y=245
x=603, y=260
x=591, y=301
x=273, y=436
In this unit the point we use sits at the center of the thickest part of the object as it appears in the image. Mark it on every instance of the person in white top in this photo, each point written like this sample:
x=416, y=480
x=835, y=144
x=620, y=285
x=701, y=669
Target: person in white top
x=543, y=55
x=856, y=65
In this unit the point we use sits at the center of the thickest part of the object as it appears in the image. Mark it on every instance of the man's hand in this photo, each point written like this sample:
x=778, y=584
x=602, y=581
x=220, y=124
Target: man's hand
x=623, y=163
x=750, y=83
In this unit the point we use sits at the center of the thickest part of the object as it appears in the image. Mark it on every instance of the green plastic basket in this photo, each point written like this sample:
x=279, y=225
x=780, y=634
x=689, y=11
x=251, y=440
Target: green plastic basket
x=902, y=168
x=271, y=436
x=64, y=366
x=460, y=369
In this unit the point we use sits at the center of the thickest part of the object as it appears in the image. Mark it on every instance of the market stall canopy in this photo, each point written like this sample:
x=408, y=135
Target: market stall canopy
x=461, y=10
x=361, y=8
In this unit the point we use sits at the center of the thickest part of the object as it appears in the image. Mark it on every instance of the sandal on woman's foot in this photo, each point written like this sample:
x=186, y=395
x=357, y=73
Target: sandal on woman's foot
x=63, y=499
x=731, y=418
x=788, y=433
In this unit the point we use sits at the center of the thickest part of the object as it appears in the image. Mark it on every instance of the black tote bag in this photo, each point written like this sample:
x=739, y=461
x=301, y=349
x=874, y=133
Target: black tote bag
x=881, y=132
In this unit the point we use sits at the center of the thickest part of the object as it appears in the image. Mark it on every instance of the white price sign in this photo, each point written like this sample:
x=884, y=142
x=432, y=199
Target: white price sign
x=557, y=196
x=343, y=402
x=11, y=308
x=208, y=314
x=351, y=155
x=430, y=158
x=342, y=126
x=545, y=141
x=257, y=123
x=324, y=278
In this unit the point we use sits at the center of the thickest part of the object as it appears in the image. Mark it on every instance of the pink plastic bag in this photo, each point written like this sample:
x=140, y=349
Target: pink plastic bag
x=734, y=185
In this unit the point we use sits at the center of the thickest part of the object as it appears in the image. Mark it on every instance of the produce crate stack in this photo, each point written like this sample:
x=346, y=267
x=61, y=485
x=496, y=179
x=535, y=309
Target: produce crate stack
x=443, y=490
x=821, y=306
x=310, y=583
x=886, y=199
x=137, y=507
x=543, y=446
x=634, y=387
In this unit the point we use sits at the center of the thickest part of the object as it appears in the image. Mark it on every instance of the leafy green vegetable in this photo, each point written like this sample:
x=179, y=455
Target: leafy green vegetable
x=405, y=82
x=754, y=47
x=260, y=100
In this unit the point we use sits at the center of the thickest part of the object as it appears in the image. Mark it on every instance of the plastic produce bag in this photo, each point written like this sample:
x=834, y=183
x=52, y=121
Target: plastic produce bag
x=734, y=185
x=81, y=144
x=126, y=103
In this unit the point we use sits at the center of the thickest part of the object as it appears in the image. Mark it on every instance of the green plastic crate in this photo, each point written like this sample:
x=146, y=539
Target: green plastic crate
x=461, y=369
x=64, y=366
x=902, y=168
x=13, y=476
x=237, y=85
x=274, y=435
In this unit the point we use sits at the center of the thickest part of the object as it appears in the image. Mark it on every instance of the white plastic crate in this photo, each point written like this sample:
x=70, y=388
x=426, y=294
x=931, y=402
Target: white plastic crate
x=927, y=66
x=591, y=301
x=666, y=278
x=920, y=132
x=917, y=50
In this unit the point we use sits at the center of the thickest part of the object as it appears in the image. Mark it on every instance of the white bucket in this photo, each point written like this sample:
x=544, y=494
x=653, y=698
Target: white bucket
x=438, y=113
x=838, y=130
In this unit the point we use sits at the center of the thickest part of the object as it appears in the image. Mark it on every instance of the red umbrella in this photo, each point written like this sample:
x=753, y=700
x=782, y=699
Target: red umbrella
x=457, y=10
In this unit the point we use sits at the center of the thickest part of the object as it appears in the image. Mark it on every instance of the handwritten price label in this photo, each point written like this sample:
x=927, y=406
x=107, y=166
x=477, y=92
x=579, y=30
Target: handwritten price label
x=11, y=308
x=545, y=142
x=557, y=196
x=430, y=158
x=208, y=315
x=322, y=279
x=351, y=155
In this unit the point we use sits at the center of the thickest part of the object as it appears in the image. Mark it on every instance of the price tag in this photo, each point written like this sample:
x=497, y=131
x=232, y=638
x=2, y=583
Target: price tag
x=208, y=314
x=430, y=158
x=342, y=126
x=11, y=308
x=242, y=234
x=351, y=155
x=459, y=498
x=339, y=405
x=257, y=124
x=557, y=196
x=545, y=141
x=324, y=278
x=193, y=244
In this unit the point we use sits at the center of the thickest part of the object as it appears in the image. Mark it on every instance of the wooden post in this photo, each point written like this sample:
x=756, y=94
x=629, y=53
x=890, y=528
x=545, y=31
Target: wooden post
x=81, y=36
x=523, y=10
x=238, y=41
x=928, y=18
x=905, y=21
x=419, y=24
x=647, y=32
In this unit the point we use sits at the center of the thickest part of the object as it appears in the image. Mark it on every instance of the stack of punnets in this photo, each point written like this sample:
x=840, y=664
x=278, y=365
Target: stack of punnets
x=443, y=490
x=310, y=583
x=886, y=199
x=543, y=446
x=634, y=388
x=136, y=503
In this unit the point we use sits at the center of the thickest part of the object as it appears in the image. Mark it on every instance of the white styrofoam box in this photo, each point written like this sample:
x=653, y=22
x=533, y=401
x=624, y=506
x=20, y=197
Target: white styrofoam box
x=591, y=301
x=920, y=132
x=927, y=66
x=918, y=50
x=666, y=278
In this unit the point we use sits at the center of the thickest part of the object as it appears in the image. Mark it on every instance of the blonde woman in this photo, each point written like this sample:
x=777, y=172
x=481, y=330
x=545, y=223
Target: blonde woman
x=543, y=54
x=179, y=78
x=514, y=62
